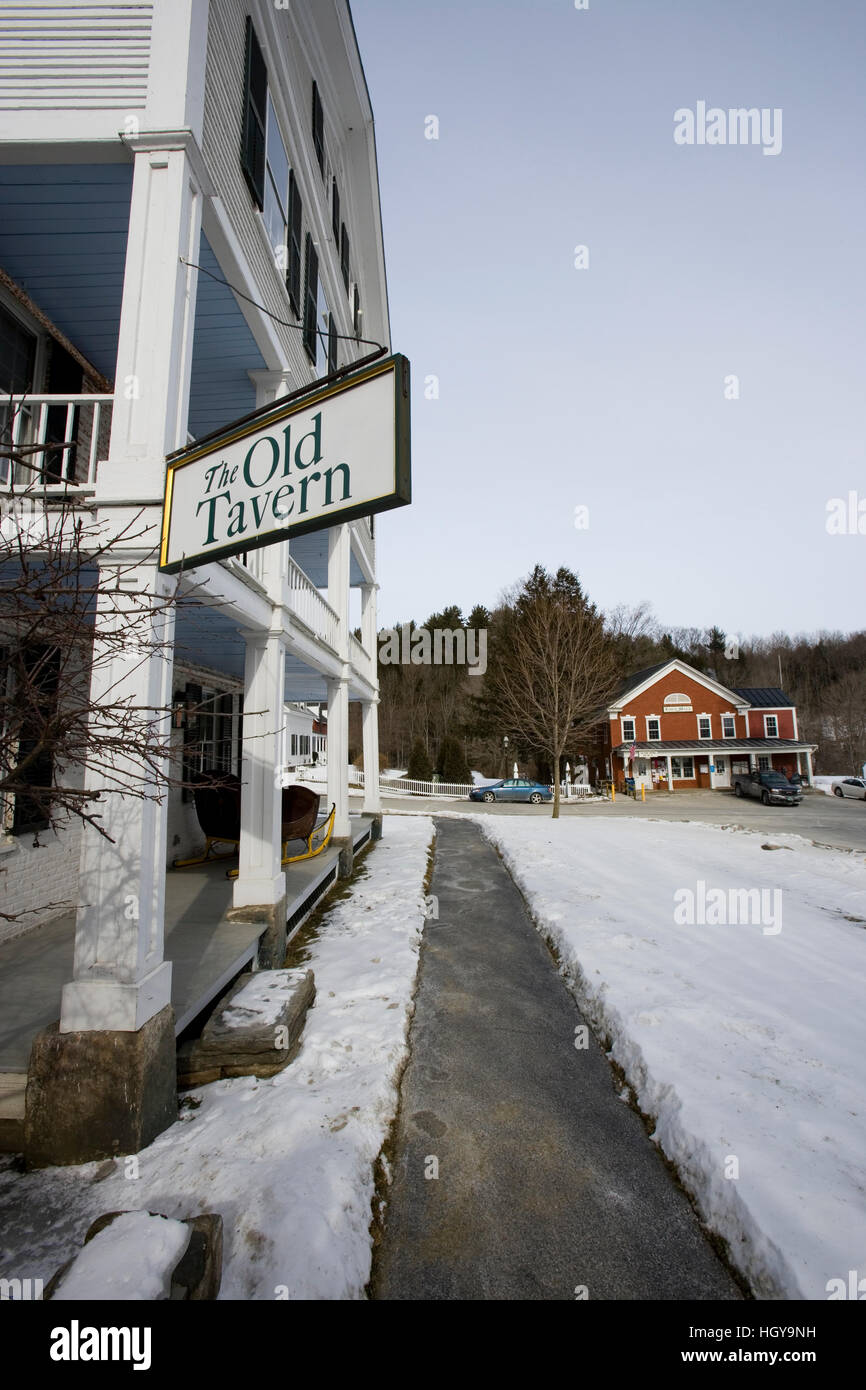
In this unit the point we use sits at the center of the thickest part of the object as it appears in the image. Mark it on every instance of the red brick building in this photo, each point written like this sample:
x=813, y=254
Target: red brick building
x=672, y=727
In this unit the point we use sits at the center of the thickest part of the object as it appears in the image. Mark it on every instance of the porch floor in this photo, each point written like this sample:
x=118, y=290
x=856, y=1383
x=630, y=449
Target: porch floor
x=205, y=949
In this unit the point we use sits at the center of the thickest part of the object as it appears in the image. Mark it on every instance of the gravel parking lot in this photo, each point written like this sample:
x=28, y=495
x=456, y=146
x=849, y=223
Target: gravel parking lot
x=824, y=819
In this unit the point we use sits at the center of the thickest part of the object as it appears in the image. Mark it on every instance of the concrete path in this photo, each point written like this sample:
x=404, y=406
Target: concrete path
x=546, y=1180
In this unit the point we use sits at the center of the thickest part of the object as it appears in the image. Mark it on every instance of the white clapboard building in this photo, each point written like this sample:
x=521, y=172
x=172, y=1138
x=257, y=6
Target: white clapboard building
x=189, y=229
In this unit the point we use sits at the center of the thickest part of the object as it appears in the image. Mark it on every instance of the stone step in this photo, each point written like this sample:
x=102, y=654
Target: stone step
x=255, y=1029
x=13, y=1086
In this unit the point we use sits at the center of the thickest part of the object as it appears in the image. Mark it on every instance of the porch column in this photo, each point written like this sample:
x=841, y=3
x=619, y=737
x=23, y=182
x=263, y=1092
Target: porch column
x=261, y=882
x=670, y=772
x=339, y=555
x=370, y=731
x=102, y=1081
x=338, y=756
x=809, y=766
x=370, y=708
x=120, y=979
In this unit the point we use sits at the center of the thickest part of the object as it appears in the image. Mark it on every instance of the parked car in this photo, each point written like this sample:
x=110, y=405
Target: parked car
x=851, y=786
x=773, y=788
x=514, y=789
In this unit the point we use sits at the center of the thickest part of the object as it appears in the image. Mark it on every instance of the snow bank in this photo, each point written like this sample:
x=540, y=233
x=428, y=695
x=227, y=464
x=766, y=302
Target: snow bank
x=133, y=1258
x=743, y=1042
x=288, y=1161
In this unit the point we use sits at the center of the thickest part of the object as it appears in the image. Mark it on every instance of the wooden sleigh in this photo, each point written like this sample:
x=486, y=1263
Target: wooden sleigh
x=217, y=801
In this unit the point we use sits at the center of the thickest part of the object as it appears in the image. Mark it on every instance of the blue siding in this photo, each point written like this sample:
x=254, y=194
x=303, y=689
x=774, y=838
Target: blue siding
x=224, y=352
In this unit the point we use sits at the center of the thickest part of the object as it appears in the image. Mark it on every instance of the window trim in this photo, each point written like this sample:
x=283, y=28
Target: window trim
x=775, y=719
x=733, y=719
x=709, y=719
x=653, y=719
x=629, y=719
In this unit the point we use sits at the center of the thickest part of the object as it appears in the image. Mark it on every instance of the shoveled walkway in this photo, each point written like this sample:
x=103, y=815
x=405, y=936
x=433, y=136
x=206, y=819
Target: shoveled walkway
x=547, y=1182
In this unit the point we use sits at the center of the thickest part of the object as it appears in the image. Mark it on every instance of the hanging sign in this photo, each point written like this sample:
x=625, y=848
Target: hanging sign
x=336, y=454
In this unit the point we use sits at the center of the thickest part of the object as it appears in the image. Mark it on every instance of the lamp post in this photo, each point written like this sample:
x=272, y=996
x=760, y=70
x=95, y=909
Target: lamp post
x=504, y=756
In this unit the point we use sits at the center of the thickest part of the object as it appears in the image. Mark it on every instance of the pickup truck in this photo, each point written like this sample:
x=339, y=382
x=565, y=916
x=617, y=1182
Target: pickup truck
x=772, y=787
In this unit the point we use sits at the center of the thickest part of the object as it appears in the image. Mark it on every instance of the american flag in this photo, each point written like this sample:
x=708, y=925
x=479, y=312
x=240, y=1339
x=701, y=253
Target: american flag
x=632, y=752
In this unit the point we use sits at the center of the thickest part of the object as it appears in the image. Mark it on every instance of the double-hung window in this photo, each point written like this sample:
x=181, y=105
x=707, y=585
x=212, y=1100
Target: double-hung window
x=653, y=729
x=771, y=726
x=682, y=769
x=628, y=734
x=705, y=726
x=729, y=729
x=276, y=200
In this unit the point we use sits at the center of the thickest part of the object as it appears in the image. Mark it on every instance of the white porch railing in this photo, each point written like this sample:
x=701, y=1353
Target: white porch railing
x=361, y=659
x=253, y=562
x=307, y=604
x=405, y=786
x=70, y=432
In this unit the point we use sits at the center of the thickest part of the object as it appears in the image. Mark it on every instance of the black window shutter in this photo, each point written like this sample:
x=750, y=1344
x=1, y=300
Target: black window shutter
x=311, y=295
x=332, y=344
x=344, y=255
x=293, y=265
x=255, y=106
x=335, y=211
x=318, y=128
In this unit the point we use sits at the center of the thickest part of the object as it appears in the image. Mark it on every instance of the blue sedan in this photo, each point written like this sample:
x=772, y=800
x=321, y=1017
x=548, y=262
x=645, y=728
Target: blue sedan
x=514, y=789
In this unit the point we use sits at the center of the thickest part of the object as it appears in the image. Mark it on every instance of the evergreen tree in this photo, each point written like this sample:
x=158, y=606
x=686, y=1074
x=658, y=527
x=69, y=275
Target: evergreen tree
x=451, y=763
x=420, y=768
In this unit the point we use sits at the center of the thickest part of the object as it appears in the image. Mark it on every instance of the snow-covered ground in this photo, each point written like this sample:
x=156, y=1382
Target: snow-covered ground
x=744, y=1041
x=288, y=1162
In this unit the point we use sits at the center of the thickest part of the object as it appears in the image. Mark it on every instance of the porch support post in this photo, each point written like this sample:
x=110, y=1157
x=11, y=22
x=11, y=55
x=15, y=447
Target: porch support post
x=370, y=708
x=339, y=555
x=809, y=766
x=370, y=731
x=260, y=887
x=102, y=1080
x=670, y=772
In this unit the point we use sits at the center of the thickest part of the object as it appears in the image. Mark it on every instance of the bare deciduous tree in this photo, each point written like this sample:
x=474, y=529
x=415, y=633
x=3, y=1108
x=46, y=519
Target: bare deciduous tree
x=553, y=666
x=72, y=606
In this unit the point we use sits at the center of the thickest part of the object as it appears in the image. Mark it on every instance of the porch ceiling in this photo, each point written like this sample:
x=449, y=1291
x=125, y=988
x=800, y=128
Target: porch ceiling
x=63, y=239
x=207, y=637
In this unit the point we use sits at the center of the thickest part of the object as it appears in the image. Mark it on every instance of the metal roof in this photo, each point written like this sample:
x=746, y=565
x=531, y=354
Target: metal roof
x=765, y=697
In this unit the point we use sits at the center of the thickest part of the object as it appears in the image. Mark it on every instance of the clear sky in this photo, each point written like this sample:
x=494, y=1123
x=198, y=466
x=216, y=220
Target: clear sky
x=605, y=387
